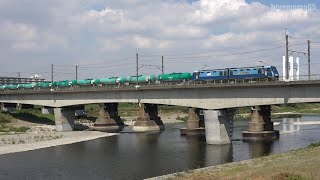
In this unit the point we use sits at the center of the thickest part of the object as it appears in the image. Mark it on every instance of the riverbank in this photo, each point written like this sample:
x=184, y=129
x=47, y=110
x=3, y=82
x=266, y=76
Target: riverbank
x=38, y=136
x=32, y=141
x=297, y=164
x=274, y=116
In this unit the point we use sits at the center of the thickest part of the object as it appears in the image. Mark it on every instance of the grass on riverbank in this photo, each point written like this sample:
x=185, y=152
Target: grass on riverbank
x=281, y=111
x=297, y=108
x=5, y=118
x=7, y=129
x=29, y=115
x=242, y=117
x=298, y=164
x=182, y=118
x=292, y=108
x=34, y=116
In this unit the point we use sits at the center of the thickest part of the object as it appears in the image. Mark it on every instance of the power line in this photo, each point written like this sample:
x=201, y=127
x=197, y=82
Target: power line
x=203, y=52
x=94, y=67
x=232, y=54
x=196, y=52
x=225, y=55
x=94, y=64
x=89, y=69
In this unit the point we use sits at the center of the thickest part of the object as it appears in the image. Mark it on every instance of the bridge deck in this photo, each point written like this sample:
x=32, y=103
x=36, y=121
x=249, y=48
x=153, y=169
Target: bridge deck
x=261, y=84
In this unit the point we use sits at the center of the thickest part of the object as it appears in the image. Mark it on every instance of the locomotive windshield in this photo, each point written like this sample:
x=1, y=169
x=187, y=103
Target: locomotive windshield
x=275, y=71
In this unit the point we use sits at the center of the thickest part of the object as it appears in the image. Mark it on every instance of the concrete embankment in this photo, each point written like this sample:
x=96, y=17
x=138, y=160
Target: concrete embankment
x=31, y=141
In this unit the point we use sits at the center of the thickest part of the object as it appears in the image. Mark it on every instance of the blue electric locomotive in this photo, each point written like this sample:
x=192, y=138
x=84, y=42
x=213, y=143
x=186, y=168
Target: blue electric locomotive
x=259, y=72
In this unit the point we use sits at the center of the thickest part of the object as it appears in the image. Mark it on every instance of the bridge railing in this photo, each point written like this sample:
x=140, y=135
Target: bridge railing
x=303, y=78
x=167, y=84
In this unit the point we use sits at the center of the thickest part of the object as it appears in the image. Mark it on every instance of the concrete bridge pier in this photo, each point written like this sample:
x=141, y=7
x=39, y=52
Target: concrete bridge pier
x=8, y=107
x=261, y=126
x=218, y=126
x=108, y=119
x=64, y=118
x=194, y=124
x=79, y=110
x=148, y=119
x=24, y=106
x=47, y=110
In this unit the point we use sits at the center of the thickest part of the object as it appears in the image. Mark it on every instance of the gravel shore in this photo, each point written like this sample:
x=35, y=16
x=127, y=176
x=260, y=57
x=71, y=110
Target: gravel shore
x=31, y=141
x=42, y=136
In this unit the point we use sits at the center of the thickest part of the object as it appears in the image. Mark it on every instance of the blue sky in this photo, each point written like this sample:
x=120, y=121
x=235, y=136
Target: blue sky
x=286, y=2
x=103, y=36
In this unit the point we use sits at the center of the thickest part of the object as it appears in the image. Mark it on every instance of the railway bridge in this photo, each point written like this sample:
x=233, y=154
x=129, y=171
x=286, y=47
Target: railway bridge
x=217, y=100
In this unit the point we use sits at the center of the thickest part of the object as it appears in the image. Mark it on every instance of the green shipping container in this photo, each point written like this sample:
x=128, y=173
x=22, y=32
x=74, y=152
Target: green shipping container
x=63, y=83
x=73, y=82
x=44, y=84
x=21, y=86
x=110, y=81
x=2, y=87
x=84, y=82
x=174, y=77
x=121, y=80
x=11, y=86
x=96, y=81
x=106, y=81
x=29, y=86
x=141, y=79
x=55, y=84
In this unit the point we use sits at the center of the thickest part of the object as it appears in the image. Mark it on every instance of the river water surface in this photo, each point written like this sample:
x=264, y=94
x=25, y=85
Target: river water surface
x=143, y=155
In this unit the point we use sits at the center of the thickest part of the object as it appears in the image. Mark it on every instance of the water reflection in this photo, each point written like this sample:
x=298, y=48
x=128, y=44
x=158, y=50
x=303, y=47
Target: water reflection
x=201, y=155
x=290, y=125
x=218, y=154
x=260, y=148
x=142, y=155
x=196, y=151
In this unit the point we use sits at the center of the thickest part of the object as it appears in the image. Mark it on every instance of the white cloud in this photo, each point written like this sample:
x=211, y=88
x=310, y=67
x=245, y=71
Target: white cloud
x=80, y=29
x=102, y=16
x=208, y=10
x=18, y=31
x=25, y=45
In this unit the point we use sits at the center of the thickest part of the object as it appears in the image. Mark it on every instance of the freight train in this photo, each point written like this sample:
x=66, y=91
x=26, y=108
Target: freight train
x=229, y=74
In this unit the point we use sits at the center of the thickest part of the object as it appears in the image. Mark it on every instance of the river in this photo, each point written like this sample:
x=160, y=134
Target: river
x=143, y=155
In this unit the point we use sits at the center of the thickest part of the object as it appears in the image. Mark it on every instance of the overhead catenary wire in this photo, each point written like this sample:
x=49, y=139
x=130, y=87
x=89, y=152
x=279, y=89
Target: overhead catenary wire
x=206, y=52
x=95, y=64
x=222, y=55
x=209, y=56
x=198, y=52
x=106, y=66
x=174, y=57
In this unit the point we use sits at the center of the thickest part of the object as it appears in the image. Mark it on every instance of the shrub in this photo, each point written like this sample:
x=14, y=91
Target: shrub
x=288, y=176
x=5, y=118
x=185, y=118
x=317, y=144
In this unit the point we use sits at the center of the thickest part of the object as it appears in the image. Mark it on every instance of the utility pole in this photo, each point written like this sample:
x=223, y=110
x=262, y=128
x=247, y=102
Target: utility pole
x=52, y=73
x=76, y=72
x=137, y=63
x=162, y=65
x=19, y=78
x=309, y=69
x=287, y=57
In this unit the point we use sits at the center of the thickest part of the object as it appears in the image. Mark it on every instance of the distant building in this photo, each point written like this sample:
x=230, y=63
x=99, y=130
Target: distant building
x=17, y=80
